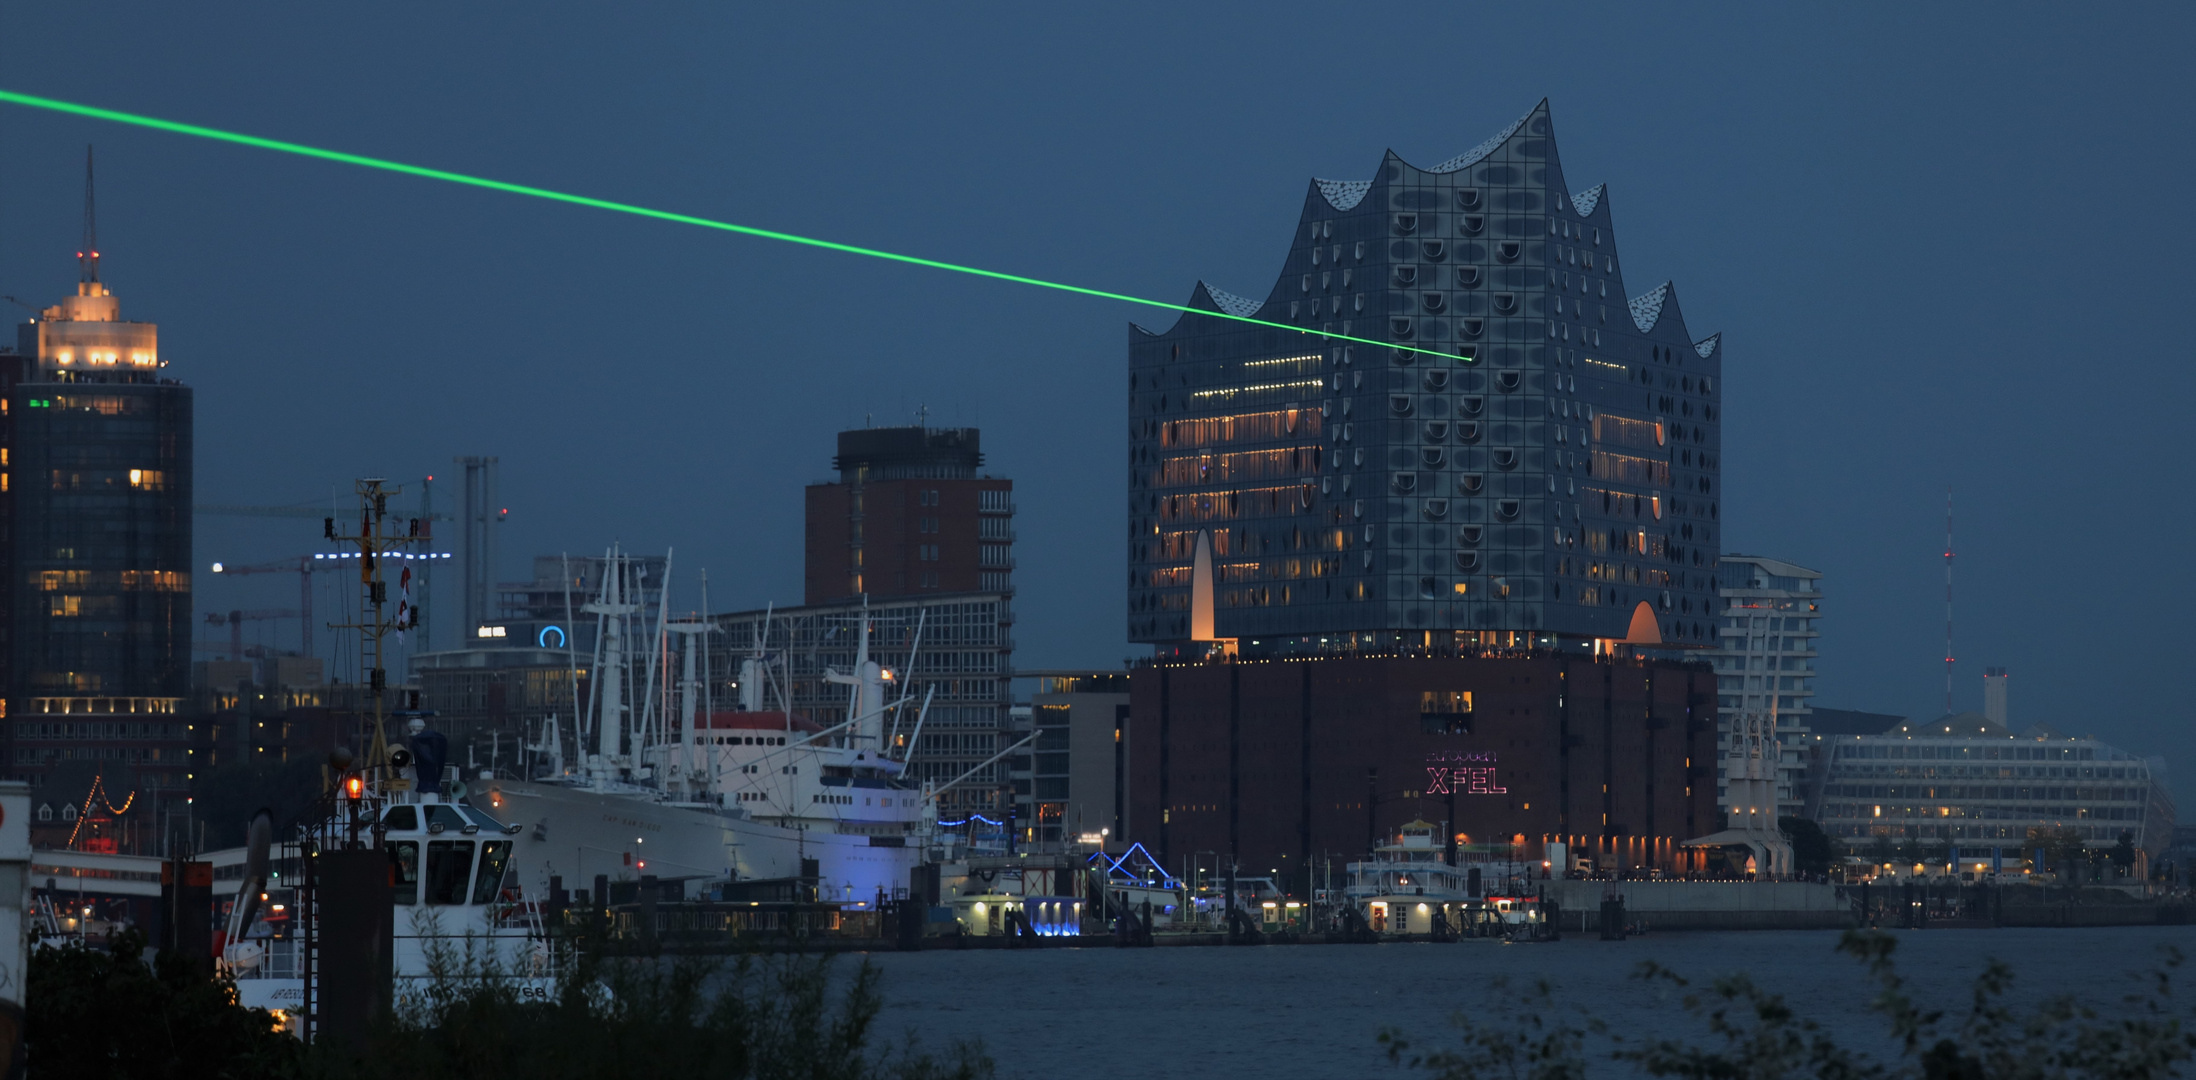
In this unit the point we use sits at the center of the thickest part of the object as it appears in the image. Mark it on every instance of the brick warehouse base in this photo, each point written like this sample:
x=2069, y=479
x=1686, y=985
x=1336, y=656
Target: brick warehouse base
x=1285, y=764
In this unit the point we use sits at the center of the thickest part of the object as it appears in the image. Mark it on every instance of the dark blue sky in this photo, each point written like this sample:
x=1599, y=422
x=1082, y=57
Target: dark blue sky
x=1945, y=246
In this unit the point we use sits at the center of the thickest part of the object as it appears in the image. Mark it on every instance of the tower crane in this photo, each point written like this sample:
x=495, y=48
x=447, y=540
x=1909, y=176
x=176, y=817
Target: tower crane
x=236, y=621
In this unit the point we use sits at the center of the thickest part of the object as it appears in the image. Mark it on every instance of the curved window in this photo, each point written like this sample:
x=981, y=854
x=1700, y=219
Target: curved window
x=1470, y=484
x=1435, y=303
x=1436, y=379
x=1505, y=457
x=1509, y=250
x=1471, y=327
x=1467, y=198
x=1508, y=380
x=1404, y=483
x=1402, y=328
x=1433, y=456
x=1360, y=250
x=1505, y=303
x=1359, y=508
x=1434, y=250
x=1467, y=561
x=1467, y=353
x=1470, y=406
x=1437, y=430
x=1400, y=404
x=1406, y=224
x=1436, y=509
x=1357, y=302
x=1426, y=586
x=1469, y=535
x=1467, y=431
x=1307, y=283
x=1507, y=509
x=1467, y=277
x=1406, y=276
x=1472, y=224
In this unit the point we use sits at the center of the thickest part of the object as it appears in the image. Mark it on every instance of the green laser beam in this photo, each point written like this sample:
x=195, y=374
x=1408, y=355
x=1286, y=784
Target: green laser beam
x=94, y=112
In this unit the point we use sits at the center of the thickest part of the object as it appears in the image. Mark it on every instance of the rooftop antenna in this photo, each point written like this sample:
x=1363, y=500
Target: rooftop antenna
x=1948, y=601
x=87, y=260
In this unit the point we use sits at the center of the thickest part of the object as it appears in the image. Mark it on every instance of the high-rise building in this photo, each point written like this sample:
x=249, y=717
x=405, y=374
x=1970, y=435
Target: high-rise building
x=1994, y=695
x=909, y=516
x=95, y=504
x=1529, y=459
x=1765, y=669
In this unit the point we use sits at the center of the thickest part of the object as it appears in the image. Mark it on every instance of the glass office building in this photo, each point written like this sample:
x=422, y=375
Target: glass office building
x=1529, y=456
x=95, y=498
x=1765, y=667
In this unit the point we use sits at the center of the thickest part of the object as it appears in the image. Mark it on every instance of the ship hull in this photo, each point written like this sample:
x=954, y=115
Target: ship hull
x=579, y=834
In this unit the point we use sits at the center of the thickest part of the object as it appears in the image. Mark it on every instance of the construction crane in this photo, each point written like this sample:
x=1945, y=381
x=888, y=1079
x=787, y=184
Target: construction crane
x=236, y=621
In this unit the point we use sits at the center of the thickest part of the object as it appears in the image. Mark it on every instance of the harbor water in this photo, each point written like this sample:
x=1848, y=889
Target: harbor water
x=1316, y=1011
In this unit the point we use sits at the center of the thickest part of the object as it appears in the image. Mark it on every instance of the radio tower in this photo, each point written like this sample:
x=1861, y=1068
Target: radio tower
x=1948, y=601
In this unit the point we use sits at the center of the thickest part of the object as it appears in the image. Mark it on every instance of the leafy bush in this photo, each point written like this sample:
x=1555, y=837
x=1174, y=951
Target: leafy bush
x=104, y=1014
x=1758, y=1034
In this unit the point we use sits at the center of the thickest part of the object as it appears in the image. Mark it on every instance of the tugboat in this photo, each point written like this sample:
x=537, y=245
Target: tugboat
x=1410, y=889
x=459, y=909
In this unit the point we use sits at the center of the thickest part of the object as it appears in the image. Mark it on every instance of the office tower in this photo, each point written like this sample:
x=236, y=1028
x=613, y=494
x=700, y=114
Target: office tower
x=1994, y=686
x=1526, y=459
x=1765, y=669
x=95, y=497
x=909, y=516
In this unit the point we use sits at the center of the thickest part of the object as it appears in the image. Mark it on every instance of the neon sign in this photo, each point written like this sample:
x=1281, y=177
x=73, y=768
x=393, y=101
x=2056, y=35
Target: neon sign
x=542, y=639
x=1463, y=774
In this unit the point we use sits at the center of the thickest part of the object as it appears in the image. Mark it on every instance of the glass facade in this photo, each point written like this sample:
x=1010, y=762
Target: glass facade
x=1546, y=470
x=95, y=481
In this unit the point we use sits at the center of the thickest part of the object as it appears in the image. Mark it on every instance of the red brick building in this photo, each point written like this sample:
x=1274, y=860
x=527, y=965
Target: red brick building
x=910, y=515
x=1283, y=763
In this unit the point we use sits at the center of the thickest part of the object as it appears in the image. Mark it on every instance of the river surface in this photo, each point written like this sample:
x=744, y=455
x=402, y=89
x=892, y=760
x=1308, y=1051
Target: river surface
x=1278, y=1012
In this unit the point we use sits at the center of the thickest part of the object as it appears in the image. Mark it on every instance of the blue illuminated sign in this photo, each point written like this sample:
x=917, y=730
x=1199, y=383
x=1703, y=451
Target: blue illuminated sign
x=542, y=639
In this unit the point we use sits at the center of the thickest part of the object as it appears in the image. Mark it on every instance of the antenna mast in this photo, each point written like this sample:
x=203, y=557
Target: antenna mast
x=87, y=260
x=1948, y=601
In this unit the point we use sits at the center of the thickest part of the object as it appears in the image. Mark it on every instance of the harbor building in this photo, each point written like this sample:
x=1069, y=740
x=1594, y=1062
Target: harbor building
x=963, y=666
x=1529, y=459
x=95, y=534
x=1765, y=684
x=1967, y=784
x=1288, y=764
x=1077, y=788
x=1448, y=571
x=910, y=514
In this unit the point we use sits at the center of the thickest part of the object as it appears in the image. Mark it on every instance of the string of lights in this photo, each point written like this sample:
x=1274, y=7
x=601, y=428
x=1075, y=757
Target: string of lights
x=155, y=123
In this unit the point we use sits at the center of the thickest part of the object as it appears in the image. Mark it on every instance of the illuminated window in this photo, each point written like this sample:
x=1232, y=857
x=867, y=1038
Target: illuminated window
x=65, y=606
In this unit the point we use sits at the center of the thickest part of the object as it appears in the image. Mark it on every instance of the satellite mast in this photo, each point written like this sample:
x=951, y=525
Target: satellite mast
x=87, y=260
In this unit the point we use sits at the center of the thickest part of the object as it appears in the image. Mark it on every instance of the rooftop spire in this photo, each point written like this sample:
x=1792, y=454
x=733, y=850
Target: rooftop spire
x=87, y=259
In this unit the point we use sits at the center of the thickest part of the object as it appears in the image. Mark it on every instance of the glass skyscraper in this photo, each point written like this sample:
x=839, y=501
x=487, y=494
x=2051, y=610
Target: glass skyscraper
x=1529, y=459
